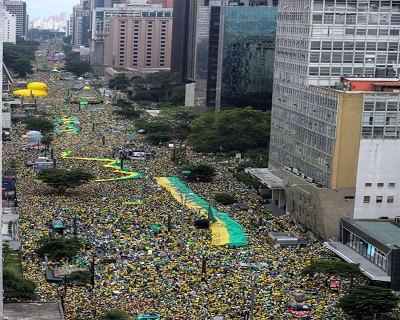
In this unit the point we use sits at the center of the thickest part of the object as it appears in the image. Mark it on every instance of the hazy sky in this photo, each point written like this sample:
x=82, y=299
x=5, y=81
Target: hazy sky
x=45, y=8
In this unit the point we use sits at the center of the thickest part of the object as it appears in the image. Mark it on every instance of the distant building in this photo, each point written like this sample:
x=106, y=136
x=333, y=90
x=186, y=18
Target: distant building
x=18, y=8
x=235, y=47
x=81, y=24
x=142, y=43
x=9, y=27
x=183, y=38
x=101, y=22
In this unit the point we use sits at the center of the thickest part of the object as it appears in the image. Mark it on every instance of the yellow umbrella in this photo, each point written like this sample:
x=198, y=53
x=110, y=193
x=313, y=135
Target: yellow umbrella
x=30, y=93
x=86, y=88
x=37, y=86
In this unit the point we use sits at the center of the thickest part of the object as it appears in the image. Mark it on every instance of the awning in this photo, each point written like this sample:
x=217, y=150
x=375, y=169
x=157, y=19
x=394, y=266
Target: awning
x=371, y=270
x=266, y=177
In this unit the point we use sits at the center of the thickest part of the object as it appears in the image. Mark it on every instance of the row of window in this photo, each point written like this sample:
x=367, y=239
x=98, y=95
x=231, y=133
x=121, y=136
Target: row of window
x=380, y=184
x=379, y=199
x=354, y=57
x=355, y=45
x=380, y=133
x=361, y=18
x=381, y=105
x=343, y=71
x=351, y=5
x=367, y=250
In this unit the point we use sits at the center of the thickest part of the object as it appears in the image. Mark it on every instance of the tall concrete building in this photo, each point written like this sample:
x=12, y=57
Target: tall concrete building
x=81, y=24
x=235, y=47
x=142, y=43
x=18, y=8
x=101, y=22
x=335, y=129
x=9, y=26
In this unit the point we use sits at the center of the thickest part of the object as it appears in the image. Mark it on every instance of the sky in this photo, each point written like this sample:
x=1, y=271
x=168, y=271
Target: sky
x=46, y=8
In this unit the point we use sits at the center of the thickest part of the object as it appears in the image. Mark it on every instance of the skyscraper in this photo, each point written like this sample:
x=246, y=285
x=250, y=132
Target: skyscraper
x=18, y=8
x=235, y=46
x=183, y=38
x=334, y=129
x=9, y=26
x=81, y=24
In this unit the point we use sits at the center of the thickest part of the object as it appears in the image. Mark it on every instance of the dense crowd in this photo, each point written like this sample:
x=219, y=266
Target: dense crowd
x=152, y=275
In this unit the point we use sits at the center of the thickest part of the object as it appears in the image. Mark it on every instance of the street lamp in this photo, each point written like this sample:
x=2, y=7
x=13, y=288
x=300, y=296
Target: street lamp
x=184, y=197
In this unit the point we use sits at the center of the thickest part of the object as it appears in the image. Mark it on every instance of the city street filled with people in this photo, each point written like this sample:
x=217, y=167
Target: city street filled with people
x=150, y=272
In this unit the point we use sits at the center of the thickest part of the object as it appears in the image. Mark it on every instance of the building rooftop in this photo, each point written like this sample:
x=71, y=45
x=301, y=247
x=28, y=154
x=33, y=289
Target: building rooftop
x=33, y=311
x=384, y=231
x=266, y=177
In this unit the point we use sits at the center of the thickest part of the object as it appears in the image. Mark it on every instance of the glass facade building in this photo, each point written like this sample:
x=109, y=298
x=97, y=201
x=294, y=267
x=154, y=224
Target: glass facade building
x=248, y=56
x=235, y=47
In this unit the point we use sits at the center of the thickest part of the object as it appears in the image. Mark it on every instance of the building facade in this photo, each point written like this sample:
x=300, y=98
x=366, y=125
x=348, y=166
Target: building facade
x=235, y=47
x=142, y=43
x=18, y=8
x=9, y=27
x=81, y=24
x=101, y=21
x=334, y=124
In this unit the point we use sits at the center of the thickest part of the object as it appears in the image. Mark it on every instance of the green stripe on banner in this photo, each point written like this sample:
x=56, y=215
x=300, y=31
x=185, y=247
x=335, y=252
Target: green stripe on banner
x=237, y=236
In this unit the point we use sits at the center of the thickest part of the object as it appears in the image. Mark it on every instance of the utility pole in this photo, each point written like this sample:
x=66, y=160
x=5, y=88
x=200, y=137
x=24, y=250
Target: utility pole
x=183, y=203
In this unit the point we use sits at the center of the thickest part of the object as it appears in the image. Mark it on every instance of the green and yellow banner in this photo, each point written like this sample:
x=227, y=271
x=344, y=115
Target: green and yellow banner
x=224, y=230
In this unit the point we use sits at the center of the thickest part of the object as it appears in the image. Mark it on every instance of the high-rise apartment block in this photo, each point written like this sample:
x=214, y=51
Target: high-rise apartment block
x=18, y=8
x=335, y=128
x=9, y=26
x=146, y=37
x=81, y=24
x=142, y=43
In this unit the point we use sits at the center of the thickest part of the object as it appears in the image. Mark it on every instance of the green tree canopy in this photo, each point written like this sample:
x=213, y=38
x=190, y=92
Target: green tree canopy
x=333, y=268
x=59, y=248
x=362, y=302
x=200, y=173
x=77, y=67
x=61, y=179
x=157, y=130
x=39, y=124
x=120, y=82
x=16, y=288
x=230, y=130
x=115, y=314
x=224, y=198
x=156, y=86
x=22, y=67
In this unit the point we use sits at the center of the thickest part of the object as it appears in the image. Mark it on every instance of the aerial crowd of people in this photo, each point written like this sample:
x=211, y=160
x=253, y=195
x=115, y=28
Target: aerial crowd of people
x=152, y=273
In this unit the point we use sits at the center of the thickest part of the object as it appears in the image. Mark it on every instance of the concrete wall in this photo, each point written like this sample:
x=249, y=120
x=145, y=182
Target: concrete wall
x=378, y=163
x=189, y=94
x=317, y=209
x=347, y=143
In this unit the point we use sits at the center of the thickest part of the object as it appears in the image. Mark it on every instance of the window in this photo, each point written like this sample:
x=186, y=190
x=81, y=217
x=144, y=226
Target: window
x=392, y=184
x=380, y=184
x=390, y=199
x=367, y=199
x=348, y=197
x=379, y=199
x=368, y=184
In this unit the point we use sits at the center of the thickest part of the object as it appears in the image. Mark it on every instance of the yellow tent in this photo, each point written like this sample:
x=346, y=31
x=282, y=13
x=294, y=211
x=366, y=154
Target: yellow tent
x=86, y=88
x=37, y=86
x=30, y=93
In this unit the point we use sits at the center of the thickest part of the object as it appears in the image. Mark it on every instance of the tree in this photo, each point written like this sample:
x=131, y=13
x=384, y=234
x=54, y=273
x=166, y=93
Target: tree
x=115, y=314
x=61, y=179
x=334, y=268
x=59, y=248
x=16, y=288
x=363, y=302
x=22, y=67
x=39, y=124
x=231, y=130
x=157, y=130
x=156, y=86
x=67, y=39
x=224, y=198
x=177, y=95
x=77, y=67
x=200, y=173
x=120, y=82
x=47, y=139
